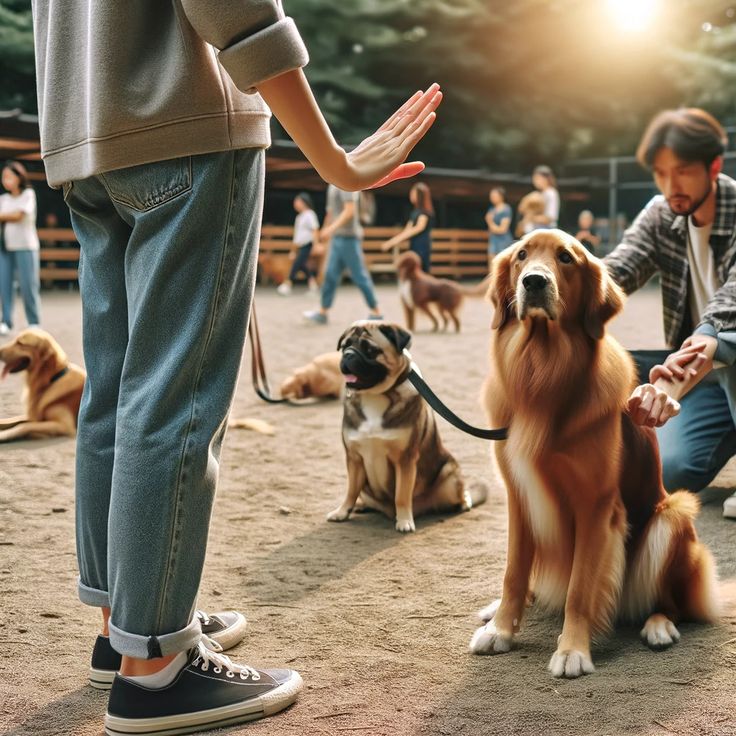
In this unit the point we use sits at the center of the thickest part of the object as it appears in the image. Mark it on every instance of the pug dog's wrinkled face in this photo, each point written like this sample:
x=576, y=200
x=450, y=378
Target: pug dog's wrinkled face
x=373, y=355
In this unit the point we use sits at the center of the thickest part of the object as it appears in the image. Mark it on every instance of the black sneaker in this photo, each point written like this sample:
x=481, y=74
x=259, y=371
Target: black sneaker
x=209, y=692
x=226, y=629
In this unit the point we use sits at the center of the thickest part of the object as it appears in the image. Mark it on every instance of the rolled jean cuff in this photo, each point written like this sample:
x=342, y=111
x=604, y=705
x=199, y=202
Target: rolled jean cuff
x=92, y=596
x=150, y=647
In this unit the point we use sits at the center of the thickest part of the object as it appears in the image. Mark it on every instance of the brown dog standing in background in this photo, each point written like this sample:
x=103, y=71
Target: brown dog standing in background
x=418, y=290
x=53, y=389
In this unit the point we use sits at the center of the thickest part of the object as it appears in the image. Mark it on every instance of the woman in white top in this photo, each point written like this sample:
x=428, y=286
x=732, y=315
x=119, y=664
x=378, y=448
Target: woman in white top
x=19, y=252
x=306, y=227
x=544, y=180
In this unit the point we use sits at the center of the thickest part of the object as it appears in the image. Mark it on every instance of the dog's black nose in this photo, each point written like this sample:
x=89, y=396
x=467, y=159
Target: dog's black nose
x=534, y=281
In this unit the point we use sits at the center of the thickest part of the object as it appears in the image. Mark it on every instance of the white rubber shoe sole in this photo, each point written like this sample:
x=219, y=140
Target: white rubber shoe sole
x=262, y=706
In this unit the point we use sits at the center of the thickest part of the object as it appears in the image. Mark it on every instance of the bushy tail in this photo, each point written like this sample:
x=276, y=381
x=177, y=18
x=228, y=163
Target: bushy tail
x=479, y=290
x=476, y=493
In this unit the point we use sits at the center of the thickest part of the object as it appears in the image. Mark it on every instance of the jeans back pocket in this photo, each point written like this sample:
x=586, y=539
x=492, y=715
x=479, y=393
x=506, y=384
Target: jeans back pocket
x=147, y=186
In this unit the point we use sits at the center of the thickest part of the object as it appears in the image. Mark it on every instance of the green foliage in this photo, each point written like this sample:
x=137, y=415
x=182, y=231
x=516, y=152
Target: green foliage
x=17, y=70
x=524, y=80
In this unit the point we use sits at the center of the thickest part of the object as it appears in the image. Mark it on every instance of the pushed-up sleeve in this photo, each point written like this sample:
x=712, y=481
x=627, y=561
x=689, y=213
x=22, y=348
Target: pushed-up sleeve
x=255, y=40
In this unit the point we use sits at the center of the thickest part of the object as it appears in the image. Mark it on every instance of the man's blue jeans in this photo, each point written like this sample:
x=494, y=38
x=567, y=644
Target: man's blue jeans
x=701, y=439
x=24, y=264
x=345, y=252
x=167, y=269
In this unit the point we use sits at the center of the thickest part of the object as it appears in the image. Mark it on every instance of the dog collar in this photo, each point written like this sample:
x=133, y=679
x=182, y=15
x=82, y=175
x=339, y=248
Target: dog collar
x=58, y=375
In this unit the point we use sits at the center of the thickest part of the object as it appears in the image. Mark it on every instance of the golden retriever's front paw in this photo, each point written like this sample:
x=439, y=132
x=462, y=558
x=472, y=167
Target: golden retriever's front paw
x=659, y=632
x=341, y=513
x=570, y=663
x=405, y=523
x=489, y=640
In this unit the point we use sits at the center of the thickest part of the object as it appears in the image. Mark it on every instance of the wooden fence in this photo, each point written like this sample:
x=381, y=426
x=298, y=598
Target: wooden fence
x=455, y=253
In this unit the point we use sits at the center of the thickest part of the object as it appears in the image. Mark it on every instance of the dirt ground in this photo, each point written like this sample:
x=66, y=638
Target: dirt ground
x=377, y=623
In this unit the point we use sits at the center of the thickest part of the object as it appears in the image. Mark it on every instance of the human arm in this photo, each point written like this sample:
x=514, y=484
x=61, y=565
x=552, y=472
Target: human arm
x=551, y=208
x=14, y=216
x=501, y=228
x=328, y=230
x=652, y=404
x=261, y=49
x=409, y=231
x=634, y=261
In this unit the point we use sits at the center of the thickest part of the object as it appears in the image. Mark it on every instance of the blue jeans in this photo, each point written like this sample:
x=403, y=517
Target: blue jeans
x=167, y=270
x=24, y=263
x=345, y=252
x=701, y=439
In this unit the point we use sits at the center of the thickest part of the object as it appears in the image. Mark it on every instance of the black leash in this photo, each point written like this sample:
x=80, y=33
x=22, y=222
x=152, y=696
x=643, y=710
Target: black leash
x=262, y=388
x=431, y=398
x=258, y=367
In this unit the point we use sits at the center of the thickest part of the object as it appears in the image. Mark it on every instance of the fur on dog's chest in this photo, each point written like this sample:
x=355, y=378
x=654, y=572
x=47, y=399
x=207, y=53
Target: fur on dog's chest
x=375, y=443
x=405, y=293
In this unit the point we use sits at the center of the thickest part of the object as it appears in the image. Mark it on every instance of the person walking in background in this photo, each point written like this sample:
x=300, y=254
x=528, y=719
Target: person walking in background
x=418, y=229
x=544, y=181
x=498, y=219
x=306, y=232
x=165, y=185
x=344, y=232
x=20, y=251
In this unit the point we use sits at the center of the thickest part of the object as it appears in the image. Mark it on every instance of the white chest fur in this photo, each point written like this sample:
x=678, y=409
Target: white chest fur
x=371, y=440
x=405, y=293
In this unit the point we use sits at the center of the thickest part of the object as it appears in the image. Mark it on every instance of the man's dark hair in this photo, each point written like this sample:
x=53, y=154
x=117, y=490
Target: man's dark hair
x=691, y=133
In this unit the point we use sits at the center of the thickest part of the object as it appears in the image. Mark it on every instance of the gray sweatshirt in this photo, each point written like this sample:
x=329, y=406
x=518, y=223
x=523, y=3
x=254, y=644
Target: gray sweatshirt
x=126, y=83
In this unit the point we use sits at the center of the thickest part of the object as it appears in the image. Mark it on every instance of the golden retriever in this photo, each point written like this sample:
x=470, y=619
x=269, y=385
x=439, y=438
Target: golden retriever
x=53, y=388
x=591, y=528
x=320, y=378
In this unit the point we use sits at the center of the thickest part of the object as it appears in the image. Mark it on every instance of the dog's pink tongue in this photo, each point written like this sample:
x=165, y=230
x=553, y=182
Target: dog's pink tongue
x=6, y=370
x=349, y=378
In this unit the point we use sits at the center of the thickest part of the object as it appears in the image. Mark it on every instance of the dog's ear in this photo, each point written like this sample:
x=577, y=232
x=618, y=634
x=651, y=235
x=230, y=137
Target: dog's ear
x=342, y=338
x=500, y=292
x=397, y=336
x=603, y=298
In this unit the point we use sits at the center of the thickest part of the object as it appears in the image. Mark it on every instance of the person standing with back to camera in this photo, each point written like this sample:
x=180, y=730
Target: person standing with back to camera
x=164, y=179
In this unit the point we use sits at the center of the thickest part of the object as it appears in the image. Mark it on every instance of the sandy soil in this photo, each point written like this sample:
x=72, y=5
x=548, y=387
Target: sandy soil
x=377, y=623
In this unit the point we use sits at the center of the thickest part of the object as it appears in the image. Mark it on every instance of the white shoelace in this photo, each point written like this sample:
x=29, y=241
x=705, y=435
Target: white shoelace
x=206, y=656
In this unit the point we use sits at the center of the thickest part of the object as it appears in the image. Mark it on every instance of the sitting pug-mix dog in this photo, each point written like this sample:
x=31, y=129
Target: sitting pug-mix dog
x=396, y=461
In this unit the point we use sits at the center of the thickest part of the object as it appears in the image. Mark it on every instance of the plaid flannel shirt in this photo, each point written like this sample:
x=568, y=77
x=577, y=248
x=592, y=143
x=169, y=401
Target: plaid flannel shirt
x=657, y=243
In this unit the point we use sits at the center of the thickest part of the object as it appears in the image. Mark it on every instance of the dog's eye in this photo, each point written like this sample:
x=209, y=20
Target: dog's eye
x=565, y=257
x=521, y=255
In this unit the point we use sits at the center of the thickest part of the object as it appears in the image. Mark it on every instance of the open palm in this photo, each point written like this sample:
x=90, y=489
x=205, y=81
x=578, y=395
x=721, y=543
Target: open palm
x=380, y=158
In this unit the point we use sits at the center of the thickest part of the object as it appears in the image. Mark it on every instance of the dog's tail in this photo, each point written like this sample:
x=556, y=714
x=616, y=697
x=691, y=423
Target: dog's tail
x=479, y=290
x=475, y=493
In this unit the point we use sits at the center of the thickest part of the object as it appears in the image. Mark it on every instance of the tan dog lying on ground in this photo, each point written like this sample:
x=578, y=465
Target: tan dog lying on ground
x=319, y=378
x=396, y=461
x=420, y=290
x=53, y=389
x=591, y=528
